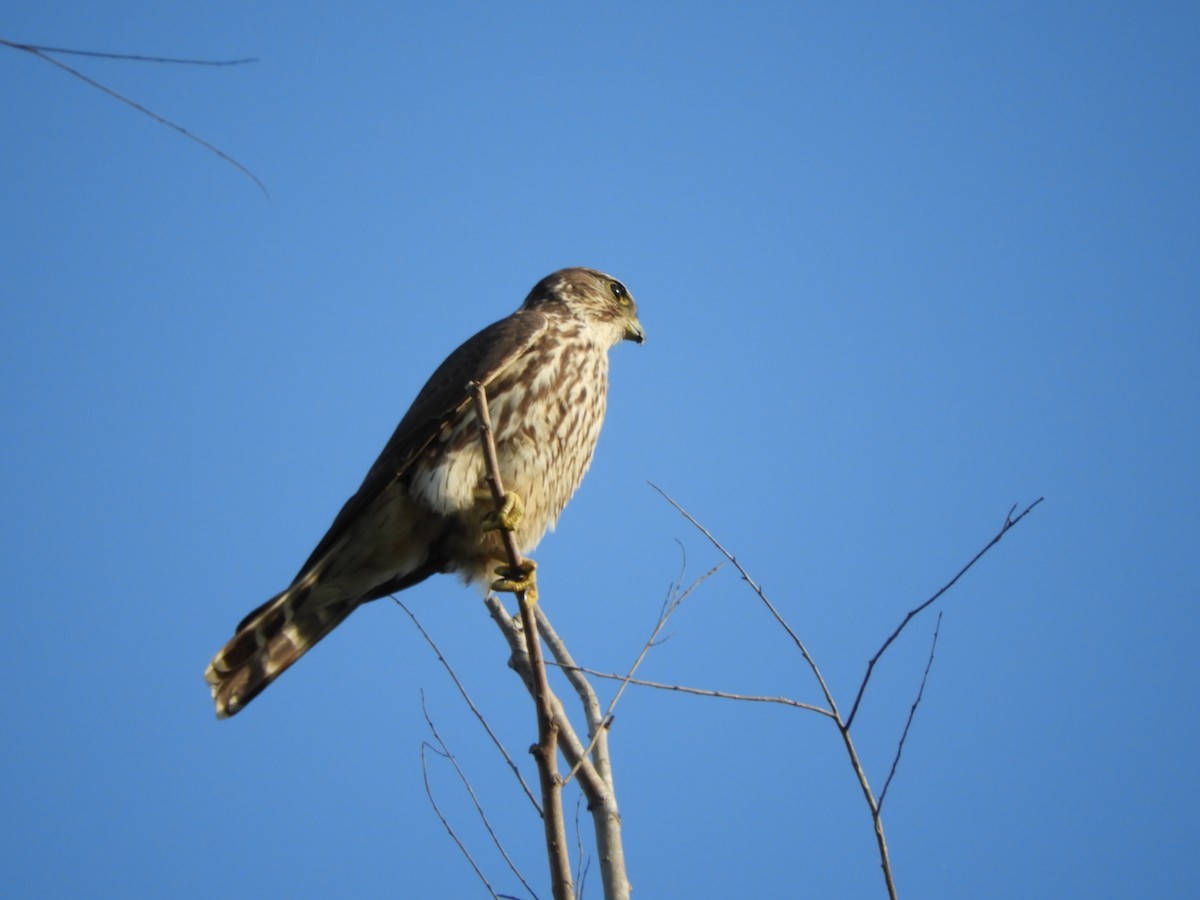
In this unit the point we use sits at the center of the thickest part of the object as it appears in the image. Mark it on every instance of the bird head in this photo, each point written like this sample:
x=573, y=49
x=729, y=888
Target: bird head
x=598, y=299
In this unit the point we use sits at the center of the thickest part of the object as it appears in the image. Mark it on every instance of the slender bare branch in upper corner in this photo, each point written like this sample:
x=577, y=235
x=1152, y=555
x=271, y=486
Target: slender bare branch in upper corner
x=1009, y=523
x=43, y=53
x=132, y=57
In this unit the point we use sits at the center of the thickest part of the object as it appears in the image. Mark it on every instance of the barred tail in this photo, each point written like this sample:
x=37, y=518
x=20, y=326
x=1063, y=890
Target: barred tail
x=268, y=641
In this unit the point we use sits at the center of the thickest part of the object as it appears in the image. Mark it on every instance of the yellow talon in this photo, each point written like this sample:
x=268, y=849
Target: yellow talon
x=514, y=581
x=507, y=517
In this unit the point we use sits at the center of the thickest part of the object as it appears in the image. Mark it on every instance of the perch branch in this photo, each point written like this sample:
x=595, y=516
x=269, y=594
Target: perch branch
x=546, y=750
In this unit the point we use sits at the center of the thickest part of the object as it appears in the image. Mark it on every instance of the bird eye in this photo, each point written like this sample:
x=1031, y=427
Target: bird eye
x=618, y=291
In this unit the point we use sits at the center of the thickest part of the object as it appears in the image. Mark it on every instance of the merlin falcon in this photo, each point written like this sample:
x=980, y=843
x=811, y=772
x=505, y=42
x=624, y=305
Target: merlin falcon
x=424, y=507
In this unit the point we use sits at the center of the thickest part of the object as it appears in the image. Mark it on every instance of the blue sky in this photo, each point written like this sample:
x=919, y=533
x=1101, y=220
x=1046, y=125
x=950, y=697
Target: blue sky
x=900, y=268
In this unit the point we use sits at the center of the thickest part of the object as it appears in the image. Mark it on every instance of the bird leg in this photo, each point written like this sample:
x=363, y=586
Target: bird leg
x=514, y=581
x=507, y=517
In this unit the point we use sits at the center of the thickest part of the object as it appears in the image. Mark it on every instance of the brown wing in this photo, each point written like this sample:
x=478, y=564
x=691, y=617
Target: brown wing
x=481, y=358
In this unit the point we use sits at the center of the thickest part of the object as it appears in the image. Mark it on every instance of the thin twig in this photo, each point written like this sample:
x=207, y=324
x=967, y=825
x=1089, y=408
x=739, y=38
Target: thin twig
x=699, y=692
x=445, y=751
x=775, y=613
x=132, y=57
x=42, y=54
x=582, y=865
x=470, y=703
x=912, y=712
x=1009, y=523
x=672, y=603
x=425, y=745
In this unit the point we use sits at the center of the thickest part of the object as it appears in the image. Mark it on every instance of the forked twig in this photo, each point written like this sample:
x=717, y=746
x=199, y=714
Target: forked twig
x=912, y=712
x=43, y=53
x=843, y=725
x=594, y=787
x=1009, y=523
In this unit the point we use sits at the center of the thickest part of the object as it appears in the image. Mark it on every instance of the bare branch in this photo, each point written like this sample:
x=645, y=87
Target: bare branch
x=911, y=713
x=42, y=54
x=470, y=703
x=1009, y=522
x=445, y=752
x=843, y=726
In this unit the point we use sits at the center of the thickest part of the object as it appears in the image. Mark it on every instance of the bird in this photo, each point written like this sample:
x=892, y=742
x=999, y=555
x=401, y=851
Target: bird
x=423, y=507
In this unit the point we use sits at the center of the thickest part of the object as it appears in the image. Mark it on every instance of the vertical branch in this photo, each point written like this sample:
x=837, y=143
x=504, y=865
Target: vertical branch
x=546, y=750
x=595, y=779
x=885, y=859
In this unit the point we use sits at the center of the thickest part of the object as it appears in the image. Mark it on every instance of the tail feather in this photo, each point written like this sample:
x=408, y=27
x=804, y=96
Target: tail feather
x=268, y=641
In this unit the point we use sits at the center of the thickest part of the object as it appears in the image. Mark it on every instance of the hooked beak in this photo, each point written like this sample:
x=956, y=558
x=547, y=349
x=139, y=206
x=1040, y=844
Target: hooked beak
x=634, y=330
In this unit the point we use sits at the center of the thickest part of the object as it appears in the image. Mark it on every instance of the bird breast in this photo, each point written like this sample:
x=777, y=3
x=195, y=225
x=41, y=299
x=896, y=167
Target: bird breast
x=546, y=410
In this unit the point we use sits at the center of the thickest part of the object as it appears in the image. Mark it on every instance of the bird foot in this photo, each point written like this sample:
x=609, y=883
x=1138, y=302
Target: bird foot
x=507, y=517
x=521, y=579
